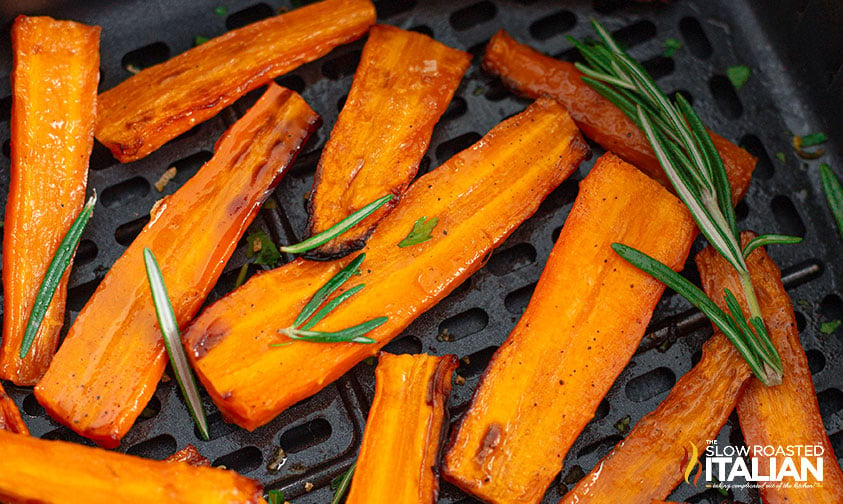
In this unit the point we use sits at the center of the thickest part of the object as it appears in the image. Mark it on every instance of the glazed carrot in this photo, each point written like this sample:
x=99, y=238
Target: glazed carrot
x=403, y=85
x=37, y=470
x=586, y=318
x=788, y=414
x=54, y=86
x=189, y=455
x=111, y=360
x=651, y=460
x=161, y=102
x=10, y=419
x=407, y=422
x=533, y=74
x=479, y=196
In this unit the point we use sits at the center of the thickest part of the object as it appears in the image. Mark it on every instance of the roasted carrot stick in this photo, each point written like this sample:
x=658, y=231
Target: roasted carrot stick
x=107, y=368
x=37, y=470
x=533, y=74
x=10, y=419
x=479, y=196
x=586, y=318
x=650, y=461
x=54, y=85
x=408, y=420
x=161, y=102
x=788, y=414
x=403, y=85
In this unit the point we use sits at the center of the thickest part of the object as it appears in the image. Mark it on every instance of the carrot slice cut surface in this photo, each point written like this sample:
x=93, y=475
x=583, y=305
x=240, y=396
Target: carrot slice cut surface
x=404, y=83
x=161, y=102
x=587, y=316
x=113, y=357
x=400, y=449
x=54, y=86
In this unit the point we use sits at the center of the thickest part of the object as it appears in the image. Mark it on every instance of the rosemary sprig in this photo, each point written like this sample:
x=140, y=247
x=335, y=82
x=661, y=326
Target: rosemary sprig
x=341, y=483
x=833, y=194
x=52, y=278
x=312, y=313
x=337, y=229
x=172, y=341
x=686, y=152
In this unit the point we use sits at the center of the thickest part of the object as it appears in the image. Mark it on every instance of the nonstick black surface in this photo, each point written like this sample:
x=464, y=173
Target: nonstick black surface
x=794, y=50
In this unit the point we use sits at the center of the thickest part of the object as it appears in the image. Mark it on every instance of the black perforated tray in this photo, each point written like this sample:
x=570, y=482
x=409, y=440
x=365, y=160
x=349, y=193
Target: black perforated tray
x=795, y=52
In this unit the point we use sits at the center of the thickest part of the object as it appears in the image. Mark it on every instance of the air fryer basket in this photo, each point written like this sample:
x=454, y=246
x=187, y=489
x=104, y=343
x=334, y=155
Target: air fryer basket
x=796, y=86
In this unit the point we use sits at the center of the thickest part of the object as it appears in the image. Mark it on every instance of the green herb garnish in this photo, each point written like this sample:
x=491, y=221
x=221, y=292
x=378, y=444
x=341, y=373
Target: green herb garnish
x=222, y=10
x=686, y=152
x=199, y=40
x=55, y=272
x=337, y=229
x=172, y=341
x=341, y=483
x=622, y=425
x=738, y=75
x=814, y=139
x=670, y=45
x=317, y=308
x=780, y=157
x=833, y=194
x=420, y=232
x=830, y=326
x=276, y=497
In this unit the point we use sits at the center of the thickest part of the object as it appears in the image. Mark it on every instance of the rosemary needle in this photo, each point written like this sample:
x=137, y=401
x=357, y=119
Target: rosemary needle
x=172, y=341
x=342, y=484
x=55, y=272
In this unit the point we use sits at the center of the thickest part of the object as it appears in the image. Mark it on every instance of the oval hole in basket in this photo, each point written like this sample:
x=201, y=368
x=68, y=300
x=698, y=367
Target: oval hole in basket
x=831, y=307
x=77, y=296
x=831, y=401
x=650, y=384
x=31, y=406
x=65, y=434
x=293, y=82
x=456, y=108
x=787, y=217
x=553, y=25
x=816, y=361
x=695, y=38
x=447, y=149
x=423, y=29
x=244, y=460
x=126, y=233
x=465, y=324
x=404, y=345
x=477, y=362
x=145, y=57
x=124, y=192
x=157, y=448
x=659, y=67
x=152, y=408
x=837, y=444
x=85, y=253
x=725, y=96
x=635, y=34
x=517, y=300
x=101, y=158
x=601, y=447
x=6, y=109
x=473, y=15
x=188, y=166
x=764, y=168
x=248, y=16
x=512, y=258
x=306, y=435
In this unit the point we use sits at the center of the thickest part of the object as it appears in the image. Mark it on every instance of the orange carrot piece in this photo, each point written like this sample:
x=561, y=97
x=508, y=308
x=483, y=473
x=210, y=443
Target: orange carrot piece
x=108, y=366
x=35, y=470
x=403, y=85
x=408, y=420
x=586, y=318
x=54, y=86
x=189, y=455
x=533, y=74
x=10, y=419
x=161, y=102
x=479, y=196
x=649, y=463
x=788, y=414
